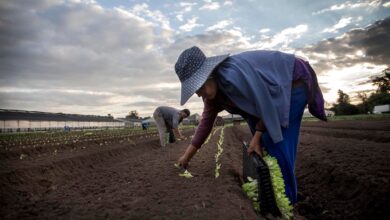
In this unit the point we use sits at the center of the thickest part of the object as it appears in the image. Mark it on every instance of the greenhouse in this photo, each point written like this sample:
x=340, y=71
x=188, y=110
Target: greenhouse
x=17, y=120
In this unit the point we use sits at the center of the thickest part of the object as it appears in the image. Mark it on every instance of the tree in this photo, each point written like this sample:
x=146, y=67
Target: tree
x=382, y=94
x=380, y=97
x=343, y=97
x=343, y=107
x=383, y=81
x=363, y=106
x=133, y=115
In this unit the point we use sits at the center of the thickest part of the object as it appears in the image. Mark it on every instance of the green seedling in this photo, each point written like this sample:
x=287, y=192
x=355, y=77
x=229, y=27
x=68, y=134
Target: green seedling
x=283, y=203
x=177, y=165
x=186, y=174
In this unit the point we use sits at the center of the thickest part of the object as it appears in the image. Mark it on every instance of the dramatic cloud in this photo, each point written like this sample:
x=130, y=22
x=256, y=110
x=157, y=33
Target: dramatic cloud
x=347, y=61
x=77, y=46
x=369, y=45
x=284, y=38
x=99, y=57
x=348, y=6
x=343, y=22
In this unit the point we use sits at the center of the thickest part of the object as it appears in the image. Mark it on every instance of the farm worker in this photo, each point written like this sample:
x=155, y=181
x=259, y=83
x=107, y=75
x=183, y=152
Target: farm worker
x=269, y=89
x=168, y=120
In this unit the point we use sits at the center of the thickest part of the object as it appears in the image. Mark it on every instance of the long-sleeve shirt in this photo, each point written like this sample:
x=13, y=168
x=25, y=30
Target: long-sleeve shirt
x=171, y=116
x=302, y=71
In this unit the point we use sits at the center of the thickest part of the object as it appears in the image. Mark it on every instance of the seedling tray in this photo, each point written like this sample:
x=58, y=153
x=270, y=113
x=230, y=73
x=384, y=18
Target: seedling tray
x=255, y=167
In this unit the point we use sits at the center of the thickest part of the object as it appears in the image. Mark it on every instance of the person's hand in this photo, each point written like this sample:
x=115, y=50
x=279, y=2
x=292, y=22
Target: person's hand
x=254, y=145
x=183, y=162
x=181, y=138
x=186, y=157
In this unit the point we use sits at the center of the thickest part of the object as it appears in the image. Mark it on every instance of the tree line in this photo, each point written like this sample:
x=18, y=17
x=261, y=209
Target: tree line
x=380, y=97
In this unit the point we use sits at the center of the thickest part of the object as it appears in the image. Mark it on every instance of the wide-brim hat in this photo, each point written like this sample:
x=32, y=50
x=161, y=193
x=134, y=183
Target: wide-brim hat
x=193, y=68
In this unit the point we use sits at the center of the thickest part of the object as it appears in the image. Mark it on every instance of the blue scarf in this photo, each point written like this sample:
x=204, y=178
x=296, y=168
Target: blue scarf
x=259, y=83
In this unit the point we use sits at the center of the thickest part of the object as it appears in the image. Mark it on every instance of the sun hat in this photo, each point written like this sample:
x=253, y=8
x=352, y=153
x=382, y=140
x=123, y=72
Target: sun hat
x=193, y=68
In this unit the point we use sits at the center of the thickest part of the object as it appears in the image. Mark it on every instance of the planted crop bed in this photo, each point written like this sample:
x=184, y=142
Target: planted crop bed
x=131, y=177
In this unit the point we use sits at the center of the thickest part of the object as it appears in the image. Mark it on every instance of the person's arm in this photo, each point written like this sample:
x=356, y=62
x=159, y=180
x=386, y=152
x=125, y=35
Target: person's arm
x=255, y=144
x=177, y=133
x=205, y=126
x=210, y=112
x=186, y=157
x=175, y=126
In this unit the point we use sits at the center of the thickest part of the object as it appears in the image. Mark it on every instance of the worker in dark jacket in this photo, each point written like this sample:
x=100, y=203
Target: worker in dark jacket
x=269, y=89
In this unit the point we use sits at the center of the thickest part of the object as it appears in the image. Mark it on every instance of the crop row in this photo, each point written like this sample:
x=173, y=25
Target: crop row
x=41, y=139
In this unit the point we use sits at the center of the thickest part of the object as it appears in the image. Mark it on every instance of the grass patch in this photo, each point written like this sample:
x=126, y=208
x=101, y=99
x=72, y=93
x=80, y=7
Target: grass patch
x=353, y=117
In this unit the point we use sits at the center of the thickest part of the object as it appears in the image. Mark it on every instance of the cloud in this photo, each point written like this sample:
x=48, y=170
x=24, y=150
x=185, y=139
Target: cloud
x=57, y=47
x=228, y=3
x=284, y=38
x=56, y=101
x=343, y=22
x=186, y=7
x=264, y=30
x=368, y=5
x=352, y=58
x=220, y=25
x=191, y=24
x=233, y=41
x=180, y=17
x=210, y=5
x=57, y=55
x=158, y=18
x=368, y=45
x=386, y=5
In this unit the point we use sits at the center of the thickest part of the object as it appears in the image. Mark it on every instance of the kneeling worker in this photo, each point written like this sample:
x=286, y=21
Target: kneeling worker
x=167, y=120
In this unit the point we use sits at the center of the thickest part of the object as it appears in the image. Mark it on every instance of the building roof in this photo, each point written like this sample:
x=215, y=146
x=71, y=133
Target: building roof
x=232, y=116
x=195, y=116
x=148, y=120
x=9, y=114
x=133, y=120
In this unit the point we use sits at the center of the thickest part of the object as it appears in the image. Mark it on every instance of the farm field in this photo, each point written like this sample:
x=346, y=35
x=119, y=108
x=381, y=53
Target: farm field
x=343, y=171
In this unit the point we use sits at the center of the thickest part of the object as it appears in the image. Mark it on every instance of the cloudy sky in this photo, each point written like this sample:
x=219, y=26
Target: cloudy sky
x=99, y=57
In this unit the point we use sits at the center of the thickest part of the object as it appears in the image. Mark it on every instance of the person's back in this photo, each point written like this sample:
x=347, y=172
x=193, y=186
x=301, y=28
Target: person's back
x=171, y=116
x=168, y=120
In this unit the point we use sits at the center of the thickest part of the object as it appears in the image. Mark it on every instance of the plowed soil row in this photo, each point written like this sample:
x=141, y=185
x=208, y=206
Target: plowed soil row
x=339, y=176
x=344, y=172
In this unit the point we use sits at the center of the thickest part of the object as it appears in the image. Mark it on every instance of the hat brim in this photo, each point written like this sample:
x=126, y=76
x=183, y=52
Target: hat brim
x=192, y=84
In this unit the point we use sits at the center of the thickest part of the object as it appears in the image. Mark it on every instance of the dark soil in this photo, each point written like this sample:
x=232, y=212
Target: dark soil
x=342, y=170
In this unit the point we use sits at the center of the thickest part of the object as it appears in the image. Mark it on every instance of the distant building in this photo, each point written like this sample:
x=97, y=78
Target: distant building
x=192, y=119
x=18, y=120
x=328, y=113
x=233, y=118
x=131, y=122
x=379, y=109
